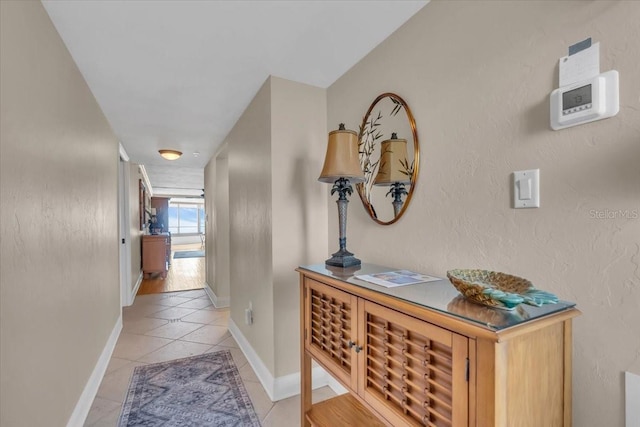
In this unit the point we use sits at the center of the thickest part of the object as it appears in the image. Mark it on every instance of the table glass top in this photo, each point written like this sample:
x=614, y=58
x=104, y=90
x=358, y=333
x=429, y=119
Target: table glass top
x=442, y=296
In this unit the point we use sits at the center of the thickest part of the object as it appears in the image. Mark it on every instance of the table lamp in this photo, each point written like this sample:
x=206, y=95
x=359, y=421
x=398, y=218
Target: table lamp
x=342, y=167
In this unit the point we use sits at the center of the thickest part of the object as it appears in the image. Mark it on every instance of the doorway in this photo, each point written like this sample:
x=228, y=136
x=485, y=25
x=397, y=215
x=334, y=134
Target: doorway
x=183, y=218
x=126, y=298
x=185, y=273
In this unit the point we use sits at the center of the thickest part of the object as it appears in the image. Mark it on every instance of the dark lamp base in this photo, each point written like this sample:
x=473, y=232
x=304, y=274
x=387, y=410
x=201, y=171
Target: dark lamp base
x=343, y=258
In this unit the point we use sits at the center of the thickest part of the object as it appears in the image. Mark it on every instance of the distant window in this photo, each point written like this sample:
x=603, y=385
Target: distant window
x=186, y=218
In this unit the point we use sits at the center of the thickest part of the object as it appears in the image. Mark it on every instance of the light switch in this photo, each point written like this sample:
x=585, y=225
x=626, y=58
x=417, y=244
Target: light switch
x=524, y=185
x=526, y=189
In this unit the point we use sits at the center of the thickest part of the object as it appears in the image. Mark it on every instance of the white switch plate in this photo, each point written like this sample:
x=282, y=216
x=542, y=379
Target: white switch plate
x=526, y=189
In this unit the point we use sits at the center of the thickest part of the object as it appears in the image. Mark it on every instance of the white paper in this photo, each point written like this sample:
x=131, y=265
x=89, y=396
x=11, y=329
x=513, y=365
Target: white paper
x=580, y=66
x=632, y=393
x=392, y=279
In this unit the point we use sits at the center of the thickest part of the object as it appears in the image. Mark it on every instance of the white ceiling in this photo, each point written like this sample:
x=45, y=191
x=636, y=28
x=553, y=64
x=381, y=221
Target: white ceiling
x=178, y=74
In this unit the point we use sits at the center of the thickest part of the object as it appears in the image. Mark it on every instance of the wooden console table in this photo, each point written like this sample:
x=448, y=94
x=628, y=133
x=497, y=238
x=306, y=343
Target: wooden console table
x=156, y=253
x=424, y=355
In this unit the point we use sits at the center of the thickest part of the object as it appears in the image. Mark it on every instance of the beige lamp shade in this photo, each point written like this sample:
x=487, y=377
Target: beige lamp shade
x=341, y=160
x=393, y=155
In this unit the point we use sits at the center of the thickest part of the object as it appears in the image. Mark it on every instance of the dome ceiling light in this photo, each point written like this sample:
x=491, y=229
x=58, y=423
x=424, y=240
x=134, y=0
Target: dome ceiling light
x=170, y=154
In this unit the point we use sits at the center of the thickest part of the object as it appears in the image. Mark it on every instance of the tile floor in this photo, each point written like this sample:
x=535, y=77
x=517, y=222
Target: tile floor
x=161, y=327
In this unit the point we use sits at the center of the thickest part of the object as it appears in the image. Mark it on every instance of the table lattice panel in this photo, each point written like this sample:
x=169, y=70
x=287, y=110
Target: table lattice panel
x=331, y=328
x=410, y=371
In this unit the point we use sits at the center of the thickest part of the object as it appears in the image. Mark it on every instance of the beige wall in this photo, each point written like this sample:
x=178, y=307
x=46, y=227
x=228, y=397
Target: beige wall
x=250, y=261
x=135, y=234
x=277, y=216
x=298, y=134
x=59, y=281
x=477, y=76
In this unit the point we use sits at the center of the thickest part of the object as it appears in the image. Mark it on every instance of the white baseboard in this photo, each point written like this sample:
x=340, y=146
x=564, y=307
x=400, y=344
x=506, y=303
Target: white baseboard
x=133, y=294
x=262, y=372
x=285, y=386
x=83, y=406
x=137, y=286
x=217, y=302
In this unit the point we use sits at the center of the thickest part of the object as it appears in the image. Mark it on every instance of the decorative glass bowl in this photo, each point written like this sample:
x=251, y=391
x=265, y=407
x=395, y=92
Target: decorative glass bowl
x=499, y=290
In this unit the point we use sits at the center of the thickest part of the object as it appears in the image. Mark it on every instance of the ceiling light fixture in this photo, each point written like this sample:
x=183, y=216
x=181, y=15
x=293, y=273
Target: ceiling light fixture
x=170, y=154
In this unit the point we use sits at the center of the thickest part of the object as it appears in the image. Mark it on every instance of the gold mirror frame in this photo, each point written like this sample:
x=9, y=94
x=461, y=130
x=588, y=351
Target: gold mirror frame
x=142, y=201
x=370, y=137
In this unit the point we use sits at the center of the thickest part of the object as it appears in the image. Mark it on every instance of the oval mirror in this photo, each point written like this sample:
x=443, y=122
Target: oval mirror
x=389, y=157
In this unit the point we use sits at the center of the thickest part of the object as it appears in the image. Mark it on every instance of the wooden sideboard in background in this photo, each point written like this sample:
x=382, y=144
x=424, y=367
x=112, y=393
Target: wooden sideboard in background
x=156, y=253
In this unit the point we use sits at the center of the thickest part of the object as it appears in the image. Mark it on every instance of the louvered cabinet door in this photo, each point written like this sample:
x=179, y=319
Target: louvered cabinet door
x=413, y=372
x=331, y=329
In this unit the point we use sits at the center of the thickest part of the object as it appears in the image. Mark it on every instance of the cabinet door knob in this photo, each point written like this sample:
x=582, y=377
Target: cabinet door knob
x=353, y=344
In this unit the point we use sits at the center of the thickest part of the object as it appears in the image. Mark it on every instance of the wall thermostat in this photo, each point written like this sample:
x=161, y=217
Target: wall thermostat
x=586, y=101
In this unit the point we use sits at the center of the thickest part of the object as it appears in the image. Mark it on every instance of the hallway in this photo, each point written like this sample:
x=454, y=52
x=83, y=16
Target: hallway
x=171, y=325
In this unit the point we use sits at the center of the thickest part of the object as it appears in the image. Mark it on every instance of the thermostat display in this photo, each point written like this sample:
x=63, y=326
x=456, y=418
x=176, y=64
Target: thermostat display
x=583, y=102
x=576, y=100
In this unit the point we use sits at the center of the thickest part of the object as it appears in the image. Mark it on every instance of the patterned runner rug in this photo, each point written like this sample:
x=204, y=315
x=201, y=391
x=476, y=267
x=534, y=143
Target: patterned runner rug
x=203, y=390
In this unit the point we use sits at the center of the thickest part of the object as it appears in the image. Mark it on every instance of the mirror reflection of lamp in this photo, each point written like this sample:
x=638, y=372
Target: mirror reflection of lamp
x=342, y=167
x=154, y=226
x=394, y=170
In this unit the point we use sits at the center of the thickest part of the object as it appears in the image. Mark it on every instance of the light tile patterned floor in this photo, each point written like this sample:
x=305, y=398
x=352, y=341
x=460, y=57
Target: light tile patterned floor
x=161, y=327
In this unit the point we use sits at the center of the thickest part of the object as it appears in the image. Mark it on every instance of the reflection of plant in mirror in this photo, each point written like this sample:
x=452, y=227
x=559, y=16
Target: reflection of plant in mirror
x=369, y=134
x=408, y=168
x=396, y=108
